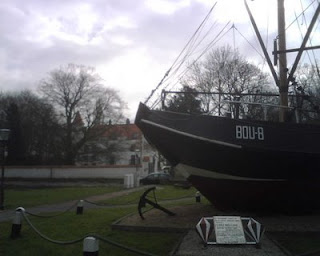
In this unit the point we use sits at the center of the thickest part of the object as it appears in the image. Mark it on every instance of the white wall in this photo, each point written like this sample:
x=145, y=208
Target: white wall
x=74, y=172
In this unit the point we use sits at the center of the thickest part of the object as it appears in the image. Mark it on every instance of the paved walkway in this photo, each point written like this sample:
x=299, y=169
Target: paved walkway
x=8, y=215
x=192, y=245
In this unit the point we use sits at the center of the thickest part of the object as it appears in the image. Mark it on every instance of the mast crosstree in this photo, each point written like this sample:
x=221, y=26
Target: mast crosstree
x=282, y=80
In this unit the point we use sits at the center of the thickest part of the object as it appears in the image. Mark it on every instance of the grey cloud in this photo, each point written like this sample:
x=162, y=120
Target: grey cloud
x=26, y=60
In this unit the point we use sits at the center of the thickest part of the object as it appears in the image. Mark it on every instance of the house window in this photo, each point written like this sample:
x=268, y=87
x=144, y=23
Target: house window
x=133, y=147
x=133, y=160
x=135, y=135
x=112, y=160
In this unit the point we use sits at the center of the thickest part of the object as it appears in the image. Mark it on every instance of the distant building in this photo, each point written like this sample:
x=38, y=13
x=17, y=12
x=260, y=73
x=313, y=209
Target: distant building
x=120, y=144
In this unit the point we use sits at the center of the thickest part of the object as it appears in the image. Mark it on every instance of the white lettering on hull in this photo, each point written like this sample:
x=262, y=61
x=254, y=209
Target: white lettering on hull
x=246, y=132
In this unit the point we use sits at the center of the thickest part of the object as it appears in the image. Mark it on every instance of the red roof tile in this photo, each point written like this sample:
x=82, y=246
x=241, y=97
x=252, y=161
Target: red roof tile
x=129, y=131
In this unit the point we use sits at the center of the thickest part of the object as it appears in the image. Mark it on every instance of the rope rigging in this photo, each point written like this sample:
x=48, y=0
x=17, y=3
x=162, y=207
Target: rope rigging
x=185, y=47
x=302, y=13
x=213, y=42
x=200, y=43
x=314, y=57
x=172, y=77
x=304, y=21
x=254, y=48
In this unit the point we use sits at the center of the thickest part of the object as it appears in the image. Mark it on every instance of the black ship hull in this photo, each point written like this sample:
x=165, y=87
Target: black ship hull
x=240, y=164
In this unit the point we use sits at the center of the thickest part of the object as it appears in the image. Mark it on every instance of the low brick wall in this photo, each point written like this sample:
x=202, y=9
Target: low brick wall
x=70, y=172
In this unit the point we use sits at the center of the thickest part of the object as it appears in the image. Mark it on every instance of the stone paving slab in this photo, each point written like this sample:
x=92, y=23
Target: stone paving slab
x=192, y=245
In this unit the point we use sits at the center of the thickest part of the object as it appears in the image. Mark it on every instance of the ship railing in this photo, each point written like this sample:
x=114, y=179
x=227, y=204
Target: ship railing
x=238, y=100
x=264, y=106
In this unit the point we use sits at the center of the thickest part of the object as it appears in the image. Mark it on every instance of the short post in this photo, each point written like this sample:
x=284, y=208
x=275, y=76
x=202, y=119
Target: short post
x=4, y=137
x=80, y=207
x=126, y=181
x=16, y=225
x=131, y=178
x=90, y=246
x=198, y=197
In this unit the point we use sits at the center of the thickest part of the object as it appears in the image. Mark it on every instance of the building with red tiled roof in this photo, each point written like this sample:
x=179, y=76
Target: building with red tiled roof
x=78, y=120
x=119, y=144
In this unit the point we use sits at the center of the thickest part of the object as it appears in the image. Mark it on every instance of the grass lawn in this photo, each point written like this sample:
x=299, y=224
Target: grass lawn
x=70, y=226
x=161, y=192
x=32, y=197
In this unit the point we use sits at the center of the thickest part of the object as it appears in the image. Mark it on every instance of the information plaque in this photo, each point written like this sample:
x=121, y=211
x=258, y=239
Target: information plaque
x=229, y=230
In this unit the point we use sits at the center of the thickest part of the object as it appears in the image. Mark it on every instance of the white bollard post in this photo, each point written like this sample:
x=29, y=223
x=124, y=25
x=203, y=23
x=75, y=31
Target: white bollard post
x=80, y=207
x=90, y=246
x=16, y=225
x=131, y=181
x=126, y=181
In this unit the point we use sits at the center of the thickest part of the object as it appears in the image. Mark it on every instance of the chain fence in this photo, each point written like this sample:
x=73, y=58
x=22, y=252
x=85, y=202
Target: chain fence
x=25, y=214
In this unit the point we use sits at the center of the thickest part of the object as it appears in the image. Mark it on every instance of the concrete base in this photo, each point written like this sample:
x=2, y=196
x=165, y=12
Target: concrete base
x=192, y=245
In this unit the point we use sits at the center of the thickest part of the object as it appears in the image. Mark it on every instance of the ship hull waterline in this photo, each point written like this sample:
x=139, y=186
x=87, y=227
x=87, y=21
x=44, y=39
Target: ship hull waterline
x=274, y=170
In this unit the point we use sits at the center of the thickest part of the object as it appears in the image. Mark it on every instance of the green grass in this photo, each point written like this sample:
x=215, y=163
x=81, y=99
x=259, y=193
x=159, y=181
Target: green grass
x=161, y=193
x=70, y=226
x=32, y=197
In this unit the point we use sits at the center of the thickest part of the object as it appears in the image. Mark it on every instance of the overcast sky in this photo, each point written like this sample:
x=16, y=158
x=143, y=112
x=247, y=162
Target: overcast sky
x=131, y=43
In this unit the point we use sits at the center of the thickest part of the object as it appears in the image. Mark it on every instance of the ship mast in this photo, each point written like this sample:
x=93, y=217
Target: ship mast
x=283, y=83
x=282, y=79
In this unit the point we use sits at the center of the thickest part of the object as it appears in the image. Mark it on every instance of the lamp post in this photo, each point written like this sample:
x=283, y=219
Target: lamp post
x=4, y=137
x=137, y=162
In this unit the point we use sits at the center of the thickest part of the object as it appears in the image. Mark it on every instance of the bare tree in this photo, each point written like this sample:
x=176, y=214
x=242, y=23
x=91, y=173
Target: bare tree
x=305, y=93
x=185, y=102
x=35, y=131
x=226, y=71
x=77, y=90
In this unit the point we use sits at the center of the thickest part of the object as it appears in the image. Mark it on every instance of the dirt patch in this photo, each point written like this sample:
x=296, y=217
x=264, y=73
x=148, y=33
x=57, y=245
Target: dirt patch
x=187, y=216
x=290, y=234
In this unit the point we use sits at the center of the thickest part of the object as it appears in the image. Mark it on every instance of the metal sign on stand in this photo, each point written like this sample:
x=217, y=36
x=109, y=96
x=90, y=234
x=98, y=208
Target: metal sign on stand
x=229, y=230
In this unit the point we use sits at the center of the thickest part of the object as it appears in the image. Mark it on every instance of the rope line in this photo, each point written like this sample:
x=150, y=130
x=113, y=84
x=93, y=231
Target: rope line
x=248, y=42
x=129, y=203
x=52, y=216
x=44, y=236
x=22, y=210
x=173, y=199
x=190, y=45
x=310, y=39
x=302, y=13
x=111, y=205
x=194, y=34
x=122, y=246
x=206, y=48
x=78, y=240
